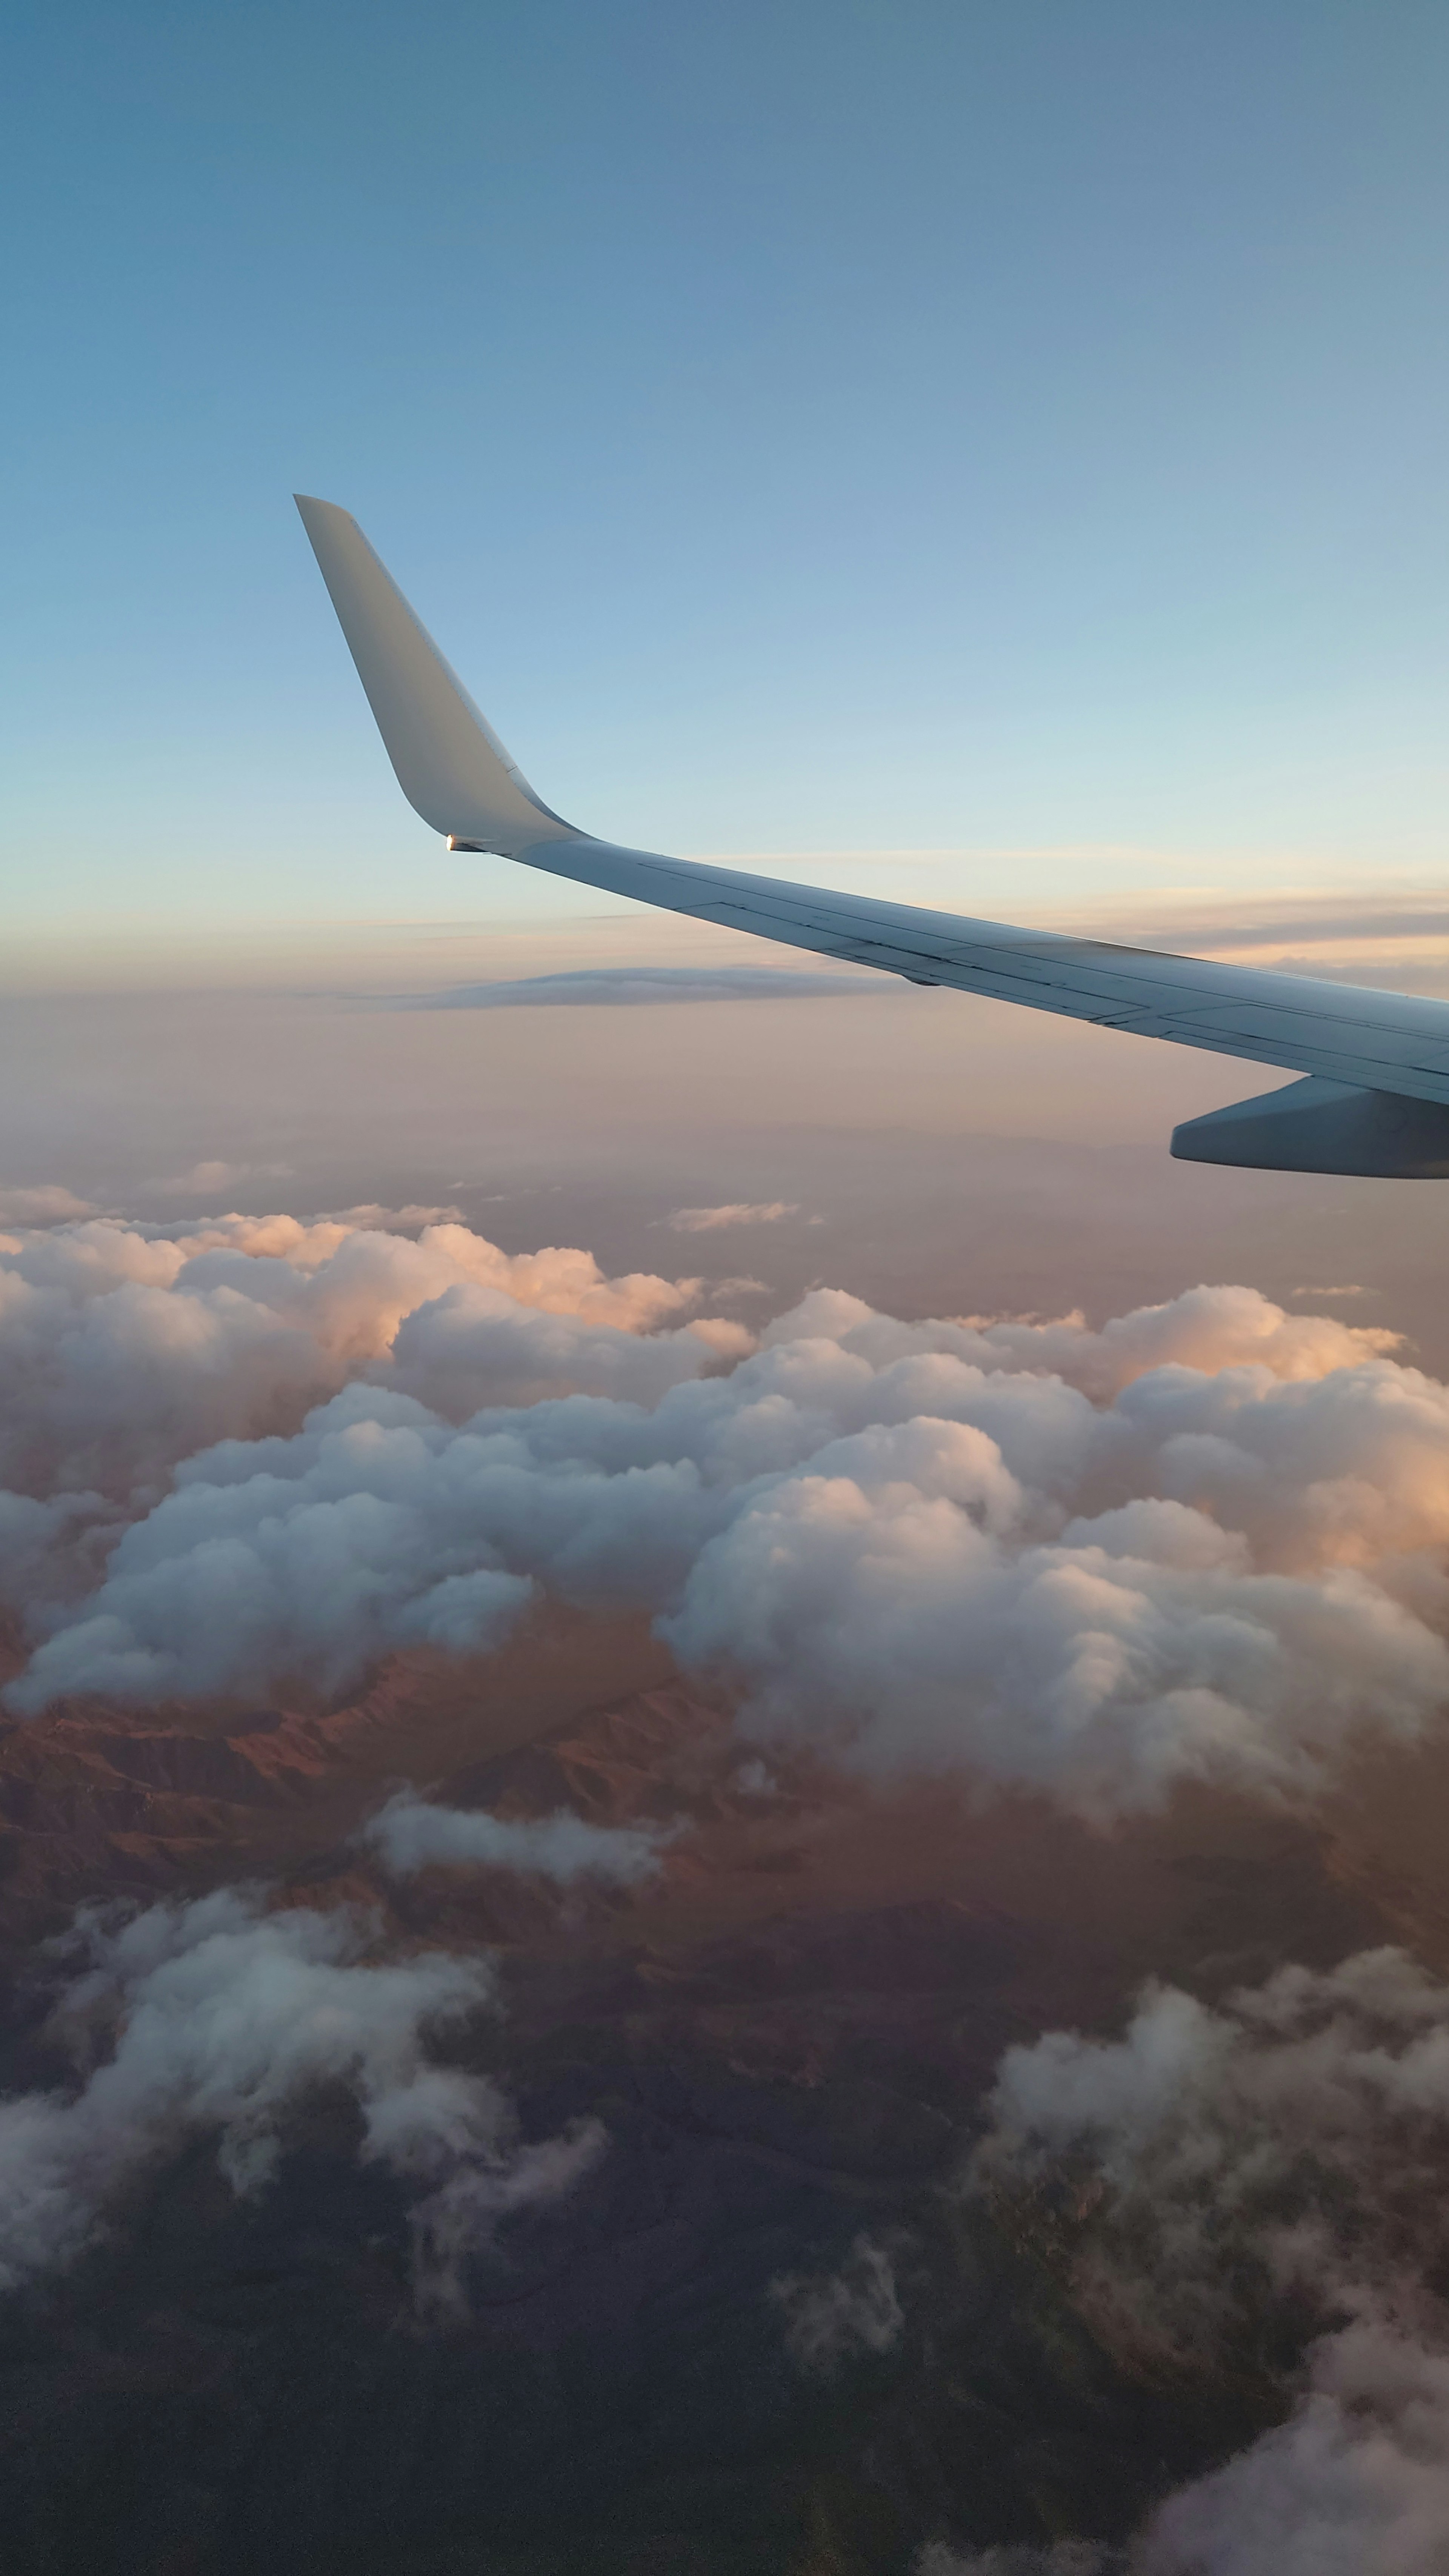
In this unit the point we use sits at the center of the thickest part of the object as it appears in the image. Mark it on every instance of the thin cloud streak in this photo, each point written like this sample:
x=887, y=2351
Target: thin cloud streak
x=616, y=986
x=710, y=1220
x=411, y=1834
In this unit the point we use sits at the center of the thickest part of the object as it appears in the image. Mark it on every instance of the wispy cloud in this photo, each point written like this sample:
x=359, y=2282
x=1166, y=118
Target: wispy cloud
x=837, y=2317
x=612, y=986
x=370, y=1218
x=412, y=1834
x=710, y=1220
x=1400, y=943
x=223, y=2014
x=1310, y=923
x=210, y=1178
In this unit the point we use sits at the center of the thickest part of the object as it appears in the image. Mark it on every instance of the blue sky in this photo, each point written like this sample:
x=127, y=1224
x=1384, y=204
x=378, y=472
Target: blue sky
x=812, y=428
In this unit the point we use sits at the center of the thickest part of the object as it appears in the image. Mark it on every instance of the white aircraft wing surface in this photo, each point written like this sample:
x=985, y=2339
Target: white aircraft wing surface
x=1376, y=1096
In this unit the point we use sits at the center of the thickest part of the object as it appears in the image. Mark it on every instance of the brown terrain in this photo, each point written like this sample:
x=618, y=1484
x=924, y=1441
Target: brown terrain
x=785, y=2035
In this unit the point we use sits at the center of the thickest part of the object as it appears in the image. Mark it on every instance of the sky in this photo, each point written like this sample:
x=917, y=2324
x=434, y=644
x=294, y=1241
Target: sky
x=996, y=448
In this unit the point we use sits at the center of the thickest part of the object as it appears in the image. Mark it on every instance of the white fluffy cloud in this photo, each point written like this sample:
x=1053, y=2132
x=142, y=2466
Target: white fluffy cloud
x=1283, y=2154
x=125, y=1348
x=1356, y=2483
x=1341, y=2077
x=221, y=2016
x=45, y=1203
x=410, y=1834
x=1203, y=1542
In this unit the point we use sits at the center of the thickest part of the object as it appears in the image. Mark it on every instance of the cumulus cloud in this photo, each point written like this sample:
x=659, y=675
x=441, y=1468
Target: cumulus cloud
x=45, y=1204
x=1208, y=1329
x=1356, y=2483
x=831, y=2318
x=1230, y=2181
x=708, y=1220
x=1203, y=1542
x=1312, y=2093
x=124, y=1348
x=219, y=2017
x=410, y=1834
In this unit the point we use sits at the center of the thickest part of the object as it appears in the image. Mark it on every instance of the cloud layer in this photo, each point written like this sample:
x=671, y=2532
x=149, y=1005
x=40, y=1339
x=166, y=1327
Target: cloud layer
x=1203, y=1542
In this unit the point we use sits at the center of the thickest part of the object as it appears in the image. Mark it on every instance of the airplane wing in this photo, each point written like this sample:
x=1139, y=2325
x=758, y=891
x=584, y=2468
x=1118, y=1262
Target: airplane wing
x=1376, y=1094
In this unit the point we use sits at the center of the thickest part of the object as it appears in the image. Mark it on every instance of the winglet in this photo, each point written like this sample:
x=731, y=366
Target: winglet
x=450, y=763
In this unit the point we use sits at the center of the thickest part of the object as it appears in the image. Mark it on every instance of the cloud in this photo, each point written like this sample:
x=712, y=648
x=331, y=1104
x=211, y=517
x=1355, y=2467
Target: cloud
x=1061, y=2558
x=1356, y=2483
x=312, y=1581
x=211, y=1178
x=832, y=2318
x=1201, y=1543
x=219, y=2017
x=708, y=1220
x=465, y=2208
x=755, y=1780
x=410, y=1834
x=1236, y=2181
x=373, y=1219
x=1312, y=2094
x=46, y=1204
x=613, y=986
x=1315, y=922
x=124, y=1348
